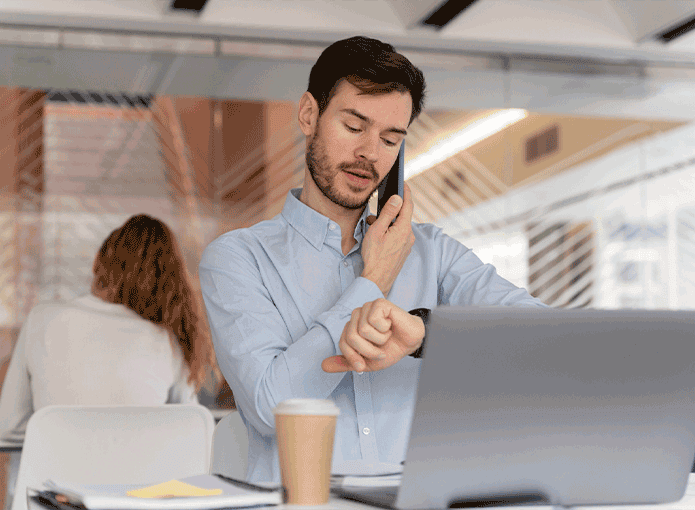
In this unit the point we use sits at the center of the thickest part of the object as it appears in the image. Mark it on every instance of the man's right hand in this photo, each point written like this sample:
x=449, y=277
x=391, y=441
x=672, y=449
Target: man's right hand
x=386, y=247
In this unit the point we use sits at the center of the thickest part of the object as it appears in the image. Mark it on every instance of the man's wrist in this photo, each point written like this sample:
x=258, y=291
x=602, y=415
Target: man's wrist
x=375, y=282
x=424, y=314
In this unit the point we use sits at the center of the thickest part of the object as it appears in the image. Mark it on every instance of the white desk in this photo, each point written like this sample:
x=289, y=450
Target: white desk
x=686, y=503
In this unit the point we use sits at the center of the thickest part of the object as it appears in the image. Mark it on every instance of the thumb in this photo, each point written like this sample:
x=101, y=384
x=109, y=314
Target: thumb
x=390, y=211
x=335, y=364
x=371, y=219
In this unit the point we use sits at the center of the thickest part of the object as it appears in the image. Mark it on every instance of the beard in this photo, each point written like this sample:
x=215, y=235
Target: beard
x=324, y=178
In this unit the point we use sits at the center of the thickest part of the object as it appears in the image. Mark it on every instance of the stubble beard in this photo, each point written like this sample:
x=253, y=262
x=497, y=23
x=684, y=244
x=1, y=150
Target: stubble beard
x=319, y=169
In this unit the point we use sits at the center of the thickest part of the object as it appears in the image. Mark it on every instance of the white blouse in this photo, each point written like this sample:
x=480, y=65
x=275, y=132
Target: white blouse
x=88, y=351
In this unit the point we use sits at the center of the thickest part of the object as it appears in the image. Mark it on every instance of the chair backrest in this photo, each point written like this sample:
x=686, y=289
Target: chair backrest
x=113, y=444
x=230, y=447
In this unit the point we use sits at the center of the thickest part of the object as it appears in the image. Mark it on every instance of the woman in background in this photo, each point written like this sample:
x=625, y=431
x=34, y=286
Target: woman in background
x=138, y=338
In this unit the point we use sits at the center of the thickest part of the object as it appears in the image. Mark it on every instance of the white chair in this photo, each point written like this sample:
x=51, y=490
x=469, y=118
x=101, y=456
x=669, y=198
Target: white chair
x=230, y=447
x=113, y=444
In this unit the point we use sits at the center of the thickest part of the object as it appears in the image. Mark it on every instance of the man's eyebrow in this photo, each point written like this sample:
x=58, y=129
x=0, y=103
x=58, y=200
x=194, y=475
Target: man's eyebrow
x=366, y=119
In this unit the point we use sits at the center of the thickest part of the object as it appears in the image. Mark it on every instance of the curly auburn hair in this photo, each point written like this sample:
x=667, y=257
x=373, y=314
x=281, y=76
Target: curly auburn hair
x=139, y=265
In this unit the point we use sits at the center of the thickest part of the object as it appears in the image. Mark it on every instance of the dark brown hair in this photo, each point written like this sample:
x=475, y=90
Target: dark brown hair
x=140, y=266
x=369, y=64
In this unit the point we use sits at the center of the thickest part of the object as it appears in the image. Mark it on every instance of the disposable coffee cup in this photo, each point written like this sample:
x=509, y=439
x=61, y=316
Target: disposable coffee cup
x=305, y=430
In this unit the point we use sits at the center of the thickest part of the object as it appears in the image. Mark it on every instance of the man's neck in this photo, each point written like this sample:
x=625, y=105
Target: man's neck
x=346, y=219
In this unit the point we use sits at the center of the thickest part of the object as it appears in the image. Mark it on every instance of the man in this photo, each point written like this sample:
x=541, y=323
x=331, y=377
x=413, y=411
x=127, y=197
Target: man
x=318, y=284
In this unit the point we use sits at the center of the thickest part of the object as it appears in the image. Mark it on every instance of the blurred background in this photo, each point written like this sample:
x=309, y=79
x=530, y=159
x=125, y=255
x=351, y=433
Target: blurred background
x=557, y=140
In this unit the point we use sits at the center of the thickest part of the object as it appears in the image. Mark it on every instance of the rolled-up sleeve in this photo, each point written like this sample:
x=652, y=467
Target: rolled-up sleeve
x=255, y=349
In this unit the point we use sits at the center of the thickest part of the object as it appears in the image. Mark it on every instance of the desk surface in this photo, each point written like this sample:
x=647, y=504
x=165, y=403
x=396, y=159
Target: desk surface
x=10, y=446
x=686, y=503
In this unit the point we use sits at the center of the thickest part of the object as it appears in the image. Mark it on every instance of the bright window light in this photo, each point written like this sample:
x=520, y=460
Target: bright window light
x=470, y=135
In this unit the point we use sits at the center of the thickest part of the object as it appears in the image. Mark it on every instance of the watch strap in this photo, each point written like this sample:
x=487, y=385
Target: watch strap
x=424, y=314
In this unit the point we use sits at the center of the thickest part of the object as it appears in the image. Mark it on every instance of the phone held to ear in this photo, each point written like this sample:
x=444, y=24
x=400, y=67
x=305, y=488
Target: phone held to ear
x=393, y=183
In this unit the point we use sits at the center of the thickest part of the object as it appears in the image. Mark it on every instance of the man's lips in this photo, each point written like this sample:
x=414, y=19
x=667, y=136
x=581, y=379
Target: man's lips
x=361, y=175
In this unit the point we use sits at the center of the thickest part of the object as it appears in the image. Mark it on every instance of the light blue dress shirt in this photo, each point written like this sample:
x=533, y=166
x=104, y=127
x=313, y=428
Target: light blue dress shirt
x=278, y=295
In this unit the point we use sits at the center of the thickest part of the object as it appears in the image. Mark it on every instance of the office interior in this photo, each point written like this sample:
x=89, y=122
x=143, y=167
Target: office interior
x=575, y=176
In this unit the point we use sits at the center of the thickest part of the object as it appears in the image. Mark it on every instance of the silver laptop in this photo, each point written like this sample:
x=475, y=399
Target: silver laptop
x=545, y=406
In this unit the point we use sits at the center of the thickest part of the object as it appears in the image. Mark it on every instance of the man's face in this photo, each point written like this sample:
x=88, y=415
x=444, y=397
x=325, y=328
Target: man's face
x=355, y=143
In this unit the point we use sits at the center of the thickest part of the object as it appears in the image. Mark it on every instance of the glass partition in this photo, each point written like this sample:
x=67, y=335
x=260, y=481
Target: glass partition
x=586, y=199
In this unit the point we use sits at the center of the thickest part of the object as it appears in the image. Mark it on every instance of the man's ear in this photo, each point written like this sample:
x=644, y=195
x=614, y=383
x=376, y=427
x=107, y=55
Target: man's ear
x=308, y=114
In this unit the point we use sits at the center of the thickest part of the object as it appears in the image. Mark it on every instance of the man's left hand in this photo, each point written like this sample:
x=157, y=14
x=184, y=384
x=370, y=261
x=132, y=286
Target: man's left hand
x=378, y=335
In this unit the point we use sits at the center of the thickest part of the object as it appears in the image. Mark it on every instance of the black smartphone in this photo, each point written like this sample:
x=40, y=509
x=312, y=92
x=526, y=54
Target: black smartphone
x=393, y=183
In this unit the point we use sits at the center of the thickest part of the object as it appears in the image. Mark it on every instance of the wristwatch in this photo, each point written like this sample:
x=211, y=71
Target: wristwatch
x=424, y=314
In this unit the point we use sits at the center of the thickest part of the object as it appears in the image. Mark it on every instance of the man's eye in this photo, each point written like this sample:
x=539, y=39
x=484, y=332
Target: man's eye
x=352, y=129
x=389, y=142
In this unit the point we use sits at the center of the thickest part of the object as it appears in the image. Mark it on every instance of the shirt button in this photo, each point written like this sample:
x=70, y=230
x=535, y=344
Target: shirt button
x=366, y=431
x=345, y=263
x=331, y=226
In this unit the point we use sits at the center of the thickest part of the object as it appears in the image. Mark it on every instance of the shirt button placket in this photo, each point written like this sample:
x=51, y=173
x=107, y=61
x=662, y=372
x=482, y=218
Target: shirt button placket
x=365, y=417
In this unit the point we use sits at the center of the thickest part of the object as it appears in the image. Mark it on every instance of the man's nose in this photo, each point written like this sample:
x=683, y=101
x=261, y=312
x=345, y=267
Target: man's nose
x=369, y=148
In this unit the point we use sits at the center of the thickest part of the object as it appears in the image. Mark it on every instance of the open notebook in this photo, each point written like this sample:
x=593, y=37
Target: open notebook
x=202, y=492
x=563, y=407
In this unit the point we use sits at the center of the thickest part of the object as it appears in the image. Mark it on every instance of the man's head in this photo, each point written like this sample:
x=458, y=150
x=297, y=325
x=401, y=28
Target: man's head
x=362, y=96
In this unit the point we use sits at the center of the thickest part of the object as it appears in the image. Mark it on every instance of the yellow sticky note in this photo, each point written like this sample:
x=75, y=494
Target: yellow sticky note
x=173, y=489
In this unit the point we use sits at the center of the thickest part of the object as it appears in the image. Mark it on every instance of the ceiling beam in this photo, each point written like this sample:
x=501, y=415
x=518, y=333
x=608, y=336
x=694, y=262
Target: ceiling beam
x=446, y=12
x=411, y=13
x=194, y=6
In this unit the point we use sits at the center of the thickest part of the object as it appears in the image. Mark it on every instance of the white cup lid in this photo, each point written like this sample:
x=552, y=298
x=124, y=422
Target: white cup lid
x=309, y=406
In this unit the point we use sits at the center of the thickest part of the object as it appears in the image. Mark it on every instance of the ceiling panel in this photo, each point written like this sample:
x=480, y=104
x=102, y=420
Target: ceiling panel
x=585, y=22
x=322, y=15
x=124, y=9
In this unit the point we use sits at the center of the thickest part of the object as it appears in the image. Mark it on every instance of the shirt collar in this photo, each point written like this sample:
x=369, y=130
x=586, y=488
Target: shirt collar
x=312, y=225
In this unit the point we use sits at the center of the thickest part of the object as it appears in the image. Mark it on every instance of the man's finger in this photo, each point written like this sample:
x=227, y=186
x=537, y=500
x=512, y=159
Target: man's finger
x=388, y=213
x=372, y=335
x=406, y=210
x=335, y=364
x=353, y=358
x=380, y=317
x=364, y=347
